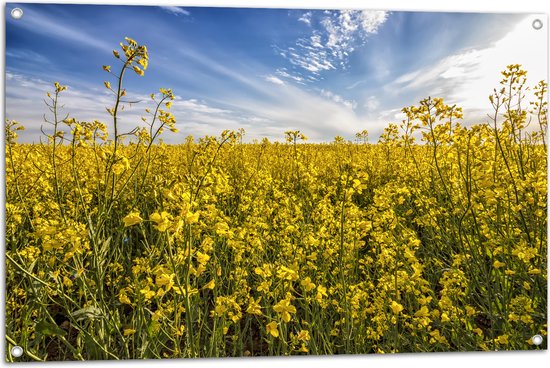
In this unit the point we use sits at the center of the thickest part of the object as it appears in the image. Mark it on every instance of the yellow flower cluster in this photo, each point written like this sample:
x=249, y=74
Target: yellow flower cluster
x=433, y=239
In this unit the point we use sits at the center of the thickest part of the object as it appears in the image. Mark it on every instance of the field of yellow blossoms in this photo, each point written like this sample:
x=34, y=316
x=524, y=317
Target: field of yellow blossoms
x=434, y=238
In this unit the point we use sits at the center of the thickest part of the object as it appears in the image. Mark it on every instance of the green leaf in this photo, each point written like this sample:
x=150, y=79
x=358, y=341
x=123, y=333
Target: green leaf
x=49, y=329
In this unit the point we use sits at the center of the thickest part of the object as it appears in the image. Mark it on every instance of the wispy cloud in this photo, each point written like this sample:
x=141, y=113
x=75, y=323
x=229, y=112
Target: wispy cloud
x=223, y=69
x=175, y=10
x=372, y=103
x=320, y=115
x=306, y=18
x=468, y=77
x=335, y=36
x=24, y=103
x=310, y=54
x=273, y=79
x=23, y=55
x=194, y=105
x=89, y=104
x=338, y=99
x=298, y=78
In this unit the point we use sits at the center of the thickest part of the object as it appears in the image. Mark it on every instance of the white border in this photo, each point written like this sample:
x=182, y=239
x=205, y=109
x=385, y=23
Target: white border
x=424, y=360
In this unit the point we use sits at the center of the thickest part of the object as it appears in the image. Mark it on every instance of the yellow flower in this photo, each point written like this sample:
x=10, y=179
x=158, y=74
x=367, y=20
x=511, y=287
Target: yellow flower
x=321, y=292
x=264, y=286
x=138, y=71
x=285, y=308
x=181, y=290
x=422, y=312
x=191, y=217
x=165, y=280
x=202, y=258
x=118, y=169
x=254, y=306
x=499, y=264
x=55, y=274
x=307, y=284
x=396, y=307
x=272, y=329
x=161, y=220
x=180, y=331
x=129, y=331
x=123, y=298
x=144, y=63
x=303, y=335
x=168, y=194
x=157, y=315
x=502, y=339
x=210, y=285
x=67, y=281
x=148, y=294
x=133, y=218
x=287, y=273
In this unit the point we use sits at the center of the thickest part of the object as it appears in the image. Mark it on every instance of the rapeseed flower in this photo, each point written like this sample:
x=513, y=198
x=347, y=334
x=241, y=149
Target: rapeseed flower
x=133, y=218
x=285, y=309
x=272, y=329
x=162, y=220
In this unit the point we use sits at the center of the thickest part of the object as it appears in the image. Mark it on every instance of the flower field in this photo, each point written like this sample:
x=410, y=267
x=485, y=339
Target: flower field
x=433, y=238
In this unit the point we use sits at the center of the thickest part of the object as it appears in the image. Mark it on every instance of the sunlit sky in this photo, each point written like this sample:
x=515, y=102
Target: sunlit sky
x=323, y=72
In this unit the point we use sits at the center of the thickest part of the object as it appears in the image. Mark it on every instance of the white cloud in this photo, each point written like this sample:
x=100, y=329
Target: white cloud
x=274, y=80
x=391, y=115
x=355, y=84
x=25, y=103
x=221, y=68
x=319, y=118
x=306, y=18
x=338, y=99
x=309, y=55
x=481, y=72
x=451, y=69
x=282, y=72
x=409, y=77
x=468, y=78
x=281, y=108
x=195, y=105
x=27, y=55
x=371, y=20
x=329, y=47
x=285, y=108
x=372, y=103
x=175, y=10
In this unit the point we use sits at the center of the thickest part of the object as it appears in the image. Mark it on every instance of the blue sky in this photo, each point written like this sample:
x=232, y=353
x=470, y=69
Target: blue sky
x=323, y=72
